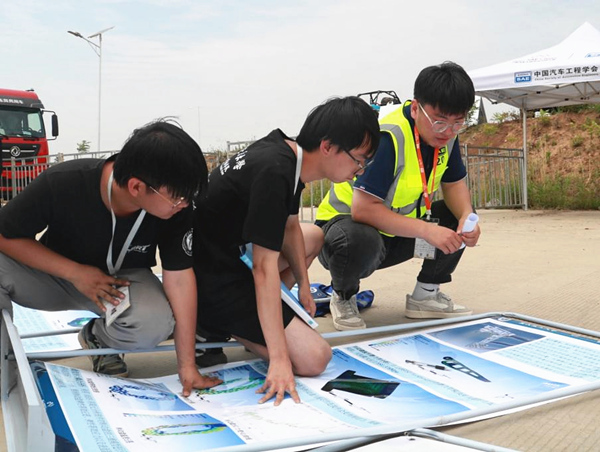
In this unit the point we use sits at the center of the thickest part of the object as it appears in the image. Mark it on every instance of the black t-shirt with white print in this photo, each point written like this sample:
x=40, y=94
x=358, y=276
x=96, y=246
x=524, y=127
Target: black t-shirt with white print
x=66, y=200
x=249, y=200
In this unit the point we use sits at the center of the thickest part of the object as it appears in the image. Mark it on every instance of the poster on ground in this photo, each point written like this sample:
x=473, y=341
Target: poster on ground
x=410, y=377
x=32, y=321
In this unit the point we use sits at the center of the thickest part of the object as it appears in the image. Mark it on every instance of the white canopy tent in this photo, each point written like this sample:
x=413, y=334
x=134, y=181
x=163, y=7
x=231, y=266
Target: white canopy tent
x=565, y=74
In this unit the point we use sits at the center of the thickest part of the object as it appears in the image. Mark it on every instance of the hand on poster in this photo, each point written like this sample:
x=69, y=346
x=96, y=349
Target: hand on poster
x=190, y=379
x=280, y=379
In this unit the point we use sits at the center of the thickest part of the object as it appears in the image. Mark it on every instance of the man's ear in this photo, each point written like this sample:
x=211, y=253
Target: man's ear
x=413, y=108
x=326, y=147
x=136, y=187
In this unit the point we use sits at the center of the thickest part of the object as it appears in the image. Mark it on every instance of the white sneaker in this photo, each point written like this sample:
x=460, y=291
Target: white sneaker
x=345, y=313
x=439, y=306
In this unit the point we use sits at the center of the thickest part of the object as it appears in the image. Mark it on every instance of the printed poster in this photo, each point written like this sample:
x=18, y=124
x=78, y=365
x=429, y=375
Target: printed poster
x=378, y=382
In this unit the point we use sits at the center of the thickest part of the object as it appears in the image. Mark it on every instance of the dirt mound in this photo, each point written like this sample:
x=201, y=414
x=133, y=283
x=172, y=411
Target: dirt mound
x=561, y=144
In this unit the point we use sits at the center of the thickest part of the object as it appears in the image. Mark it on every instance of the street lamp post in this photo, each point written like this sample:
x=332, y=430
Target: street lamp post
x=97, y=48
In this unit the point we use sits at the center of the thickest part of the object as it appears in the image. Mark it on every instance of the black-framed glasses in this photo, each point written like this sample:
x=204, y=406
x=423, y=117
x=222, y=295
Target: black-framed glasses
x=361, y=166
x=174, y=205
x=442, y=126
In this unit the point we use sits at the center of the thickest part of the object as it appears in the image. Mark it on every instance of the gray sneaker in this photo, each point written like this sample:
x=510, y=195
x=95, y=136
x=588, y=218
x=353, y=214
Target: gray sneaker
x=112, y=365
x=439, y=306
x=345, y=313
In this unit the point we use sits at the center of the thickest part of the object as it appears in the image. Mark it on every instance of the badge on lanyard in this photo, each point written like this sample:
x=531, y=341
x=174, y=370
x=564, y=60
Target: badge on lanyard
x=423, y=249
x=112, y=312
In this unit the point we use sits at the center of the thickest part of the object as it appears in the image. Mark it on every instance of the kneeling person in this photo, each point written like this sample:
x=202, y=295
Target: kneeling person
x=254, y=198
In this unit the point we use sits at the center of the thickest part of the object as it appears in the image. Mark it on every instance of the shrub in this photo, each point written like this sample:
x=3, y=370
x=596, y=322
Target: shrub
x=579, y=108
x=563, y=192
x=545, y=118
x=505, y=116
x=592, y=127
x=577, y=141
x=489, y=129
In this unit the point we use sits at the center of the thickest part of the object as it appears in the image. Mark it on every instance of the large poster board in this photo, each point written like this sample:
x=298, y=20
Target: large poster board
x=56, y=325
x=404, y=378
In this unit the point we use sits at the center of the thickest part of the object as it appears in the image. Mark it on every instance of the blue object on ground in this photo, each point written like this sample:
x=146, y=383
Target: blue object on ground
x=322, y=294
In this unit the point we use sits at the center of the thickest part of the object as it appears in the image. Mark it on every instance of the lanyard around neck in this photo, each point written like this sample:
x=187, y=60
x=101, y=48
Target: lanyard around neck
x=426, y=192
x=298, y=167
x=113, y=269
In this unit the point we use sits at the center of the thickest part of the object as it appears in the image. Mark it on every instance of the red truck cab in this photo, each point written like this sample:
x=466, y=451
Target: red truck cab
x=22, y=138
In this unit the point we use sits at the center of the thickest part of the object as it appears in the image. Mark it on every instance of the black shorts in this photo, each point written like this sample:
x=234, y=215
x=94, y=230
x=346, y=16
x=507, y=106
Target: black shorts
x=249, y=328
x=227, y=306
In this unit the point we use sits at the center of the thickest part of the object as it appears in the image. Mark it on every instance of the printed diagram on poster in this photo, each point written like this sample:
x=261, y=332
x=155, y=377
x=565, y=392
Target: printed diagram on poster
x=403, y=378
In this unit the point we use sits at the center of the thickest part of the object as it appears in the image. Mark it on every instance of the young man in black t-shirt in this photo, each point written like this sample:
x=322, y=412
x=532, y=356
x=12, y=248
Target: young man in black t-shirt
x=103, y=222
x=254, y=198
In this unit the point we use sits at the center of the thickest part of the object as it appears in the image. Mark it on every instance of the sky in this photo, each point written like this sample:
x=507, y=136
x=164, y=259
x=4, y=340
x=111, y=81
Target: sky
x=233, y=70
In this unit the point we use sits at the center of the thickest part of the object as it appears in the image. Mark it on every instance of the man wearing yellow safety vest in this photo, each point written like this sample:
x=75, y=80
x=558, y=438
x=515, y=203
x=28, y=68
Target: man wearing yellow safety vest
x=387, y=215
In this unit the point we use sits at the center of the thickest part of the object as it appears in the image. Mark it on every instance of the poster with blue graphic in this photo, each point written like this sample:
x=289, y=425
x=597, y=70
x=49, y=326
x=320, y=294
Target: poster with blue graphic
x=404, y=378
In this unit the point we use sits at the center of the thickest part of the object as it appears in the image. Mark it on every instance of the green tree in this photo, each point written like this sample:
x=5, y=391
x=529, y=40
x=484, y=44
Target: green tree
x=83, y=146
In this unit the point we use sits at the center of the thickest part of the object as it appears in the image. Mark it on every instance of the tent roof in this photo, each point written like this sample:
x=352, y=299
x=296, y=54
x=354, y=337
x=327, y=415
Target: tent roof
x=565, y=74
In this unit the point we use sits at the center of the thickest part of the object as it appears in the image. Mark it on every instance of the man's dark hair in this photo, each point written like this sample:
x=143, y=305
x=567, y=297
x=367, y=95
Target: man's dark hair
x=162, y=154
x=348, y=122
x=447, y=87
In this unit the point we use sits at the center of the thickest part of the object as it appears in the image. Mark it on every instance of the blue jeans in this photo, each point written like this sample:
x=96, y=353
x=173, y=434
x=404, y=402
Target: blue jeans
x=353, y=251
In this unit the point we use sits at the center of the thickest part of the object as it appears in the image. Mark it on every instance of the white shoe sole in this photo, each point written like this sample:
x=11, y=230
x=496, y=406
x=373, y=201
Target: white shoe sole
x=339, y=327
x=433, y=314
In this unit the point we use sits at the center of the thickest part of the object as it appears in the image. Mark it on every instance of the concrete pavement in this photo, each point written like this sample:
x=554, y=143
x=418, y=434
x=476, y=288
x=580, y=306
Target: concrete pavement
x=543, y=264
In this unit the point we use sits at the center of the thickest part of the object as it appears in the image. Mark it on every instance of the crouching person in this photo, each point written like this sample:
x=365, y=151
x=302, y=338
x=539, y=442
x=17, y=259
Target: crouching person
x=103, y=221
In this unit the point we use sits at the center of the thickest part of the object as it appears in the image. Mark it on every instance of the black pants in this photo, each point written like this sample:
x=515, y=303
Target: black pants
x=353, y=251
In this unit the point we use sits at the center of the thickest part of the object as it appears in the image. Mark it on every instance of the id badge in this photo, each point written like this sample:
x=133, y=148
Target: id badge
x=424, y=250
x=112, y=312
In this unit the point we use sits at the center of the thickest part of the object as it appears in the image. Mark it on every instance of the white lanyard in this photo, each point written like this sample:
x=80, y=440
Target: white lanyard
x=113, y=269
x=298, y=167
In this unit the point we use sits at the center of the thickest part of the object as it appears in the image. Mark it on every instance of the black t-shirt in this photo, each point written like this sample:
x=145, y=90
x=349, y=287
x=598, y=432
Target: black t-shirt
x=249, y=200
x=66, y=200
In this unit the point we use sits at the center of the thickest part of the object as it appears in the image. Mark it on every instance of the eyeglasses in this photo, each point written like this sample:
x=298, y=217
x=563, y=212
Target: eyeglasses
x=361, y=166
x=174, y=205
x=442, y=126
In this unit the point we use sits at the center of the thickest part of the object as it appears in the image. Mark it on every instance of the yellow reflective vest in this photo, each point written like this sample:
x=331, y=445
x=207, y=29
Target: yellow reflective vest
x=404, y=195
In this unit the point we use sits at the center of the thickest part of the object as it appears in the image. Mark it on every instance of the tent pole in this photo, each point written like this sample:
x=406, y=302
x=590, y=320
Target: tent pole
x=524, y=116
